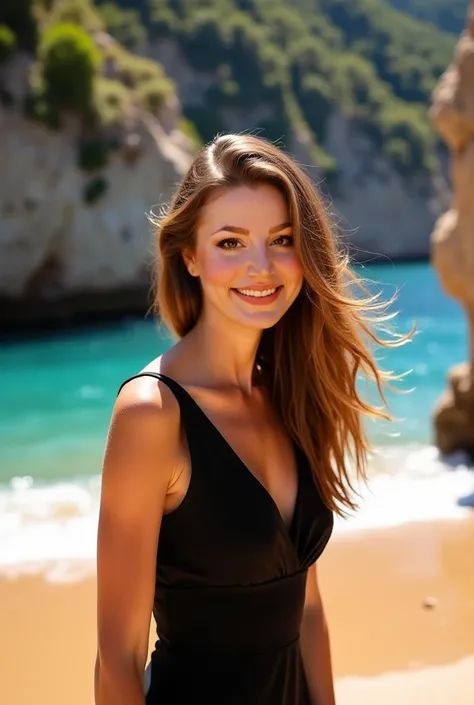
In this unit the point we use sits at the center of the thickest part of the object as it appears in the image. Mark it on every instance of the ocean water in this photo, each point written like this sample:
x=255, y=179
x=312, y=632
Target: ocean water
x=58, y=392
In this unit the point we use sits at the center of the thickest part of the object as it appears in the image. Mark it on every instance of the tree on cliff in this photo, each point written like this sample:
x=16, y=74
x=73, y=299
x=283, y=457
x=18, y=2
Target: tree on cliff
x=70, y=61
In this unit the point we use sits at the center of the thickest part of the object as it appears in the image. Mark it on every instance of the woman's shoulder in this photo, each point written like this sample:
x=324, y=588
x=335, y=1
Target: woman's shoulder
x=145, y=427
x=142, y=450
x=144, y=394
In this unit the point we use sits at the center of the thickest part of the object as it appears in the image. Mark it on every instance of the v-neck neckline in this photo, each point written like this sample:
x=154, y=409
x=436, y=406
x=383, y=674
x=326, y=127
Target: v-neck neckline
x=287, y=528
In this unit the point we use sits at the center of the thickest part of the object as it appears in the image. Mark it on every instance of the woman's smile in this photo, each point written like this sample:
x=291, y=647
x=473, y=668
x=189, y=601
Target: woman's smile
x=258, y=295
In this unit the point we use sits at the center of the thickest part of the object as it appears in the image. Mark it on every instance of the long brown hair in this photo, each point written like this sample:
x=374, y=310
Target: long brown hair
x=314, y=354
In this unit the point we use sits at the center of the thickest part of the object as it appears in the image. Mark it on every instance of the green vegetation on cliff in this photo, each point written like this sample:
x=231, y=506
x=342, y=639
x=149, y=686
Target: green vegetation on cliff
x=281, y=66
x=7, y=43
x=69, y=62
x=78, y=70
x=305, y=61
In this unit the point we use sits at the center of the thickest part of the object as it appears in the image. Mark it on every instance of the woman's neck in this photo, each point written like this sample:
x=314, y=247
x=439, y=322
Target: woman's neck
x=224, y=355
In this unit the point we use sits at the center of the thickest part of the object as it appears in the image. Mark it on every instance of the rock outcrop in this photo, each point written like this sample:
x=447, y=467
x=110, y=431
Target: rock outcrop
x=380, y=213
x=56, y=239
x=453, y=237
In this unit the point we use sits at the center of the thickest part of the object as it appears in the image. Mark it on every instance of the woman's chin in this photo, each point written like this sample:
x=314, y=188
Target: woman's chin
x=260, y=320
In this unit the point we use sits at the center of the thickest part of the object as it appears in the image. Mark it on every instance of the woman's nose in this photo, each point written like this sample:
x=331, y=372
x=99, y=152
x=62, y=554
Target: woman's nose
x=260, y=261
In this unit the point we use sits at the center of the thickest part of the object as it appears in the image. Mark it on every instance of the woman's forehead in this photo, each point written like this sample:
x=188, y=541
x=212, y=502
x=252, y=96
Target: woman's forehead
x=260, y=206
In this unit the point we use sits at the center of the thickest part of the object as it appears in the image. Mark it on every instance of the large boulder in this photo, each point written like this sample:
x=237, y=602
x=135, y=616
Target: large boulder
x=452, y=241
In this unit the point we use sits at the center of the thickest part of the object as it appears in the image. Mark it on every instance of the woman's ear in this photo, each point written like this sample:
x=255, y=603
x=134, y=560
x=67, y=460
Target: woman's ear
x=190, y=262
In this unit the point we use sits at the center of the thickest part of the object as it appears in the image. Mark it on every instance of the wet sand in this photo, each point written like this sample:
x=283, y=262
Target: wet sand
x=400, y=606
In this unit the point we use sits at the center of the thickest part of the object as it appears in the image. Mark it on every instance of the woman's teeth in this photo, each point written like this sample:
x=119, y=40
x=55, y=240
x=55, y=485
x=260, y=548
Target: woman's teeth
x=253, y=292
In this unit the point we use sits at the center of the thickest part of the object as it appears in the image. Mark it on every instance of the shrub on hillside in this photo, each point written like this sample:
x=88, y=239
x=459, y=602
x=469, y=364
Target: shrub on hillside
x=69, y=60
x=7, y=43
x=152, y=94
x=133, y=70
x=124, y=25
x=78, y=12
x=111, y=101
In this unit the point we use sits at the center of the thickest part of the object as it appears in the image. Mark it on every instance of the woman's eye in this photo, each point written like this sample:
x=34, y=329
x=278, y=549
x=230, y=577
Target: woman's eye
x=230, y=243
x=284, y=240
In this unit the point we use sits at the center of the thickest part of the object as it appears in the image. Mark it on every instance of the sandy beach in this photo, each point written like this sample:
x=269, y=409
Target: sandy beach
x=400, y=605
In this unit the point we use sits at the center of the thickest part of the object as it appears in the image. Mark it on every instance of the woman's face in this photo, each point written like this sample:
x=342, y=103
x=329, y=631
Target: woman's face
x=245, y=257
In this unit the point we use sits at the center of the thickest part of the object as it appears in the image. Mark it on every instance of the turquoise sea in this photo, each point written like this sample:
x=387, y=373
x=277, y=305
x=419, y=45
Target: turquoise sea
x=58, y=391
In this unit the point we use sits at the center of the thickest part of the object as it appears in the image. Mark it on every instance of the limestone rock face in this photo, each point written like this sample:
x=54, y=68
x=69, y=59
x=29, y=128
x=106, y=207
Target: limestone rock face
x=379, y=212
x=452, y=241
x=55, y=241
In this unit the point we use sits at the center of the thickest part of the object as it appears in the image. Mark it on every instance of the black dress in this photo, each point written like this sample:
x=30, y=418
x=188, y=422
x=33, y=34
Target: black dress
x=230, y=579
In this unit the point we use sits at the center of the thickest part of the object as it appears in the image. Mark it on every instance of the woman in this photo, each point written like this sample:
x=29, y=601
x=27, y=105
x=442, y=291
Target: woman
x=225, y=458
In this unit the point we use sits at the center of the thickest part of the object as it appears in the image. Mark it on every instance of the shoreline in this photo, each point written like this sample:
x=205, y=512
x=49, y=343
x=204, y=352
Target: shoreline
x=52, y=525
x=399, y=603
x=30, y=317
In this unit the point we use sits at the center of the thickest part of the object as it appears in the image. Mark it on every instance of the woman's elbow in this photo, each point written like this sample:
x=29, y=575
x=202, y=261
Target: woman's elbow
x=113, y=660
x=116, y=671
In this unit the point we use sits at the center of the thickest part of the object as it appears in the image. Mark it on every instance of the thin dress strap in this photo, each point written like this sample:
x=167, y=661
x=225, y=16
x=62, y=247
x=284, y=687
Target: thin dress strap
x=180, y=393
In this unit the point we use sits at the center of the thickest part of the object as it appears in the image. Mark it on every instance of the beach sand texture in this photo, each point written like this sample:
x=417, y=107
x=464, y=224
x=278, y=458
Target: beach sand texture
x=399, y=601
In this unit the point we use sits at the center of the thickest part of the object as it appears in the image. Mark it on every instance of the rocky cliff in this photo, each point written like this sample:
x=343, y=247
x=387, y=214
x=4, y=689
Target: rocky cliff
x=380, y=214
x=74, y=239
x=453, y=236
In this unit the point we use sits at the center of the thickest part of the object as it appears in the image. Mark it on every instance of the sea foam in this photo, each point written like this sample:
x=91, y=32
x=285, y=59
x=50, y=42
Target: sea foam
x=52, y=529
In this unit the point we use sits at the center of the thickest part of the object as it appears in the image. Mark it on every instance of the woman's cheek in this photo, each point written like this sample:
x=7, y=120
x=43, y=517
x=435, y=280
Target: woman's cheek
x=220, y=269
x=292, y=266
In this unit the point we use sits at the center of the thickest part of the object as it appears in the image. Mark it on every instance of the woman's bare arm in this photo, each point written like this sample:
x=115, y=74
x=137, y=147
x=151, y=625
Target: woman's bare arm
x=140, y=458
x=315, y=647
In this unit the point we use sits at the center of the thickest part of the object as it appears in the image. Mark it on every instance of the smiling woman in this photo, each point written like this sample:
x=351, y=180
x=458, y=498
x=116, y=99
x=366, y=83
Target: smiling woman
x=225, y=458
x=259, y=265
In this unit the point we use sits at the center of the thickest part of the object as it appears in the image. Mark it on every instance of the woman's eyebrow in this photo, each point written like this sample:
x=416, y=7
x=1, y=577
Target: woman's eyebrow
x=243, y=231
x=277, y=228
x=232, y=229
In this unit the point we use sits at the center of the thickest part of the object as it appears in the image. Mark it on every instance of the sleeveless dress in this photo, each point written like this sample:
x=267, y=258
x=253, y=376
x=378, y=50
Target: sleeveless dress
x=230, y=579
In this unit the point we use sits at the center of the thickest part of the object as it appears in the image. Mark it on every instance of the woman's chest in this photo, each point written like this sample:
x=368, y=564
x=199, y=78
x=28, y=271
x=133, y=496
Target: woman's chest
x=250, y=438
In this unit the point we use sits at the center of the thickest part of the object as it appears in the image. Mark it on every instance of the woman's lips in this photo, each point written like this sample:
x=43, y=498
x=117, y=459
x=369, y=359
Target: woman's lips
x=259, y=300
